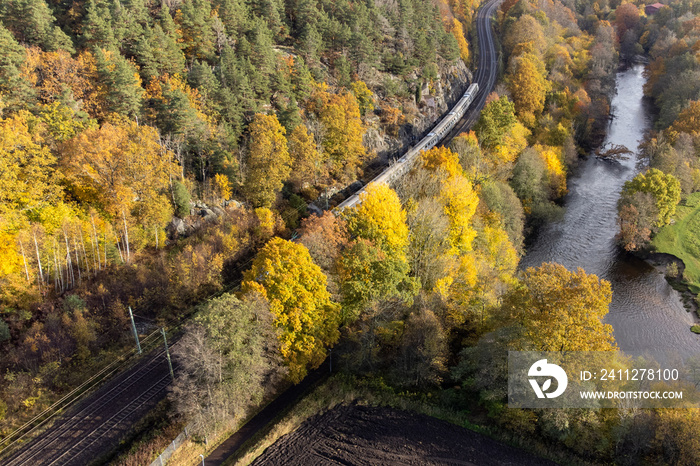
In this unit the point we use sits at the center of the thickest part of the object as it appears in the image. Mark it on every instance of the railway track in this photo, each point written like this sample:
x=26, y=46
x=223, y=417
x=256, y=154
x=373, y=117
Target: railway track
x=95, y=425
x=487, y=69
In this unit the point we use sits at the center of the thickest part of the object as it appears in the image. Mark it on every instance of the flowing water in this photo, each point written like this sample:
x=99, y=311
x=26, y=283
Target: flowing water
x=647, y=315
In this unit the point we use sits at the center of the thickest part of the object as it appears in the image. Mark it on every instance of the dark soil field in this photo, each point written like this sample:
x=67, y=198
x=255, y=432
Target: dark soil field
x=362, y=435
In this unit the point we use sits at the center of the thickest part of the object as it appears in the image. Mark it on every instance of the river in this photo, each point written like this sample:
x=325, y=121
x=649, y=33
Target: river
x=647, y=315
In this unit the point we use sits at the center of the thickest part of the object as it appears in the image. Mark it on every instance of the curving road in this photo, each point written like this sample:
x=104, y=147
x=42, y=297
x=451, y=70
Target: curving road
x=95, y=425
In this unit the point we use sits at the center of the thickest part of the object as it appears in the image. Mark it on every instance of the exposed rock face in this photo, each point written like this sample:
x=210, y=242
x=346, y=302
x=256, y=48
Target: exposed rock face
x=421, y=116
x=200, y=213
x=176, y=227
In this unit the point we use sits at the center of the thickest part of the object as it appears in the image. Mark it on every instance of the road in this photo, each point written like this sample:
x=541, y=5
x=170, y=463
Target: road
x=95, y=425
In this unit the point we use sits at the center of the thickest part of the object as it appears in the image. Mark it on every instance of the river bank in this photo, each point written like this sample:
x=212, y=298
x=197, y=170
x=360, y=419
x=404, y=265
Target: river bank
x=646, y=313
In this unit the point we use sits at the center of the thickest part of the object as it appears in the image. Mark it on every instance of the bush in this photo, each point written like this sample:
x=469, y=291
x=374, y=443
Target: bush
x=73, y=303
x=695, y=329
x=672, y=270
x=4, y=335
x=181, y=197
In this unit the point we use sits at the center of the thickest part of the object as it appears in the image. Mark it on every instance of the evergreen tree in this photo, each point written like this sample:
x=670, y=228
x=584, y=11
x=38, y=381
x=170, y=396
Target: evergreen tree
x=234, y=16
x=289, y=115
x=33, y=22
x=15, y=92
x=301, y=79
x=202, y=78
x=197, y=29
x=120, y=79
x=97, y=27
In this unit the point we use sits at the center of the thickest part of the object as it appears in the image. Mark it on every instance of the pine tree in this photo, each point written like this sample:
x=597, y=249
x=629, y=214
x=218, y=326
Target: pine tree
x=234, y=16
x=97, y=27
x=34, y=23
x=121, y=82
x=15, y=92
x=197, y=32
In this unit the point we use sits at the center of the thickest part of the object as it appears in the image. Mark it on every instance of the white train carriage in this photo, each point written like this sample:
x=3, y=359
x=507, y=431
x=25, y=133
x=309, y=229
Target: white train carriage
x=440, y=130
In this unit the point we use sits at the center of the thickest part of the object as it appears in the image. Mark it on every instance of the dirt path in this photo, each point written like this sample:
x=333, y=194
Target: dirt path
x=264, y=417
x=362, y=435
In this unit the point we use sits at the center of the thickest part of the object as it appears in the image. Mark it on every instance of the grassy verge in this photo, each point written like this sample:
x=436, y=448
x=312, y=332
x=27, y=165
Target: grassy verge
x=682, y=239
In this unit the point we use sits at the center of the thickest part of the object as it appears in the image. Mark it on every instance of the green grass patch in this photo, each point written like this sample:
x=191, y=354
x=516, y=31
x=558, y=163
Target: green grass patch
x=682, y=239
x=695, y=329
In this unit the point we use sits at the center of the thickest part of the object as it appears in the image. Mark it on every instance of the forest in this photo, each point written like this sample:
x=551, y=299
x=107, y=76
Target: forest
x=224, y=119
x=649, y=202
x=180, y=158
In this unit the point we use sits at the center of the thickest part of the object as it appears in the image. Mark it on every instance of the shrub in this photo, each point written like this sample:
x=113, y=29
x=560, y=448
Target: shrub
x=672, y=270
x=4, y=336
x=181, y=198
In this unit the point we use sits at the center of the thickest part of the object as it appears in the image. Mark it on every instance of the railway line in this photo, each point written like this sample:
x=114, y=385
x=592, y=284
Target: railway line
x=96, y=424
x=487, y=69
x=461, y=117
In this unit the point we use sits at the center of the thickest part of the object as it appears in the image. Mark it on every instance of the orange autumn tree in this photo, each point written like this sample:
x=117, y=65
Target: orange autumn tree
x=122, y=169
x=295, y=288
x=688, y=120
x=560, y=310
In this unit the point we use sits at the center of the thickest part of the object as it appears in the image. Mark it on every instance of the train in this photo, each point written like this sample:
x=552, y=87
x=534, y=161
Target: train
x=401, y=166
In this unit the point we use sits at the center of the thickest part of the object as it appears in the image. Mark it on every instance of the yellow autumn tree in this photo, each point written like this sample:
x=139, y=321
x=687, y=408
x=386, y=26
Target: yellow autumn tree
x=554, y=165
x=561, y=310
x=365, y=98
x=496, y=262
x=380, y=218
x=268, y=162
x=512, y=144
x=306, y=158
x=285, y=275
x=458, y=33
x=342, y=141
x=27, y=174
x=528, y=86
x=457, y=196
x=222, y=187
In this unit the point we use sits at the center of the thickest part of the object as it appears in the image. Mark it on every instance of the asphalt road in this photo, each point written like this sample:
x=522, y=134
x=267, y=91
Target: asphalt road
x=95, y=425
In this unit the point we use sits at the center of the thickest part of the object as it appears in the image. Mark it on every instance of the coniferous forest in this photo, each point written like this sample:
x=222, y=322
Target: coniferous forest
x=181, y=159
